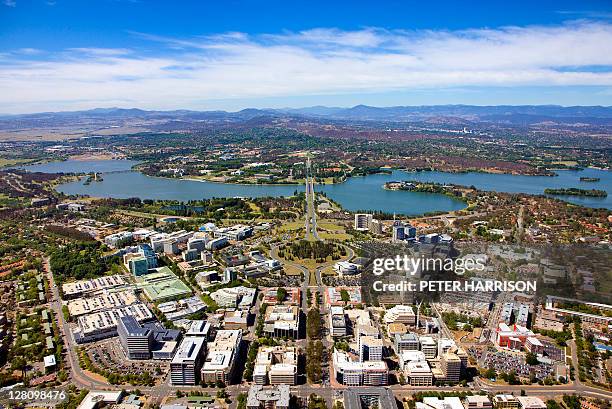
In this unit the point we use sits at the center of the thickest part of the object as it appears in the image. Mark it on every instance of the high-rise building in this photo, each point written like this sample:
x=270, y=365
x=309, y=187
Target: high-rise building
x=135, y=339
x=429, y=347
x=222, y=354
x=370, y=349
x=406, y=342
x=187, y=362
x=418, y=373
x=450, y=364
x=138, y=265
x=362, y=221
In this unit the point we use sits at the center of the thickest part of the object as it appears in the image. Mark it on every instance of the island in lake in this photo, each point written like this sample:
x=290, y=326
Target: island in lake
x=572, y=191
x=588, y=179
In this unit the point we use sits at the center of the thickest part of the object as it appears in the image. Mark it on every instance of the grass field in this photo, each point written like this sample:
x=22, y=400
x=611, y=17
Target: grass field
x=4, y=162
x=286, y=226
x=291, y=270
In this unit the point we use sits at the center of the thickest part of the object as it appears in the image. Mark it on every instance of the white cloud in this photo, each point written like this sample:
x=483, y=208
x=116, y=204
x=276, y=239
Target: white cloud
x=184, y=73
x=9, y=3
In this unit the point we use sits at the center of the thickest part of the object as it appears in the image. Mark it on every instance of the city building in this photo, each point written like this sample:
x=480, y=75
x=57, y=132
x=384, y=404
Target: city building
x=512, y=337
x=506, y=401
x=101, y=325
x=216, y=244
x=370, y=348
x=221, y=359
x=372, y=397
x=136, y=264
x=449, y=402
x=337, y=322
x=345, y=268
x=120, y=239
x=135, y=339
x=282, y=321
x=362, y=221
x=418, y=373
x=354, y=373
x=400, y=314
x=334, y=296
x=103, y=301
x=187, y=362
x=199, y=328
x=277, y=397
x=162, y=284
x=234, y=297
x=238, y=319
x=276, y=365
x=534, y=345
x=292, y=295
x=477, y=402
x=406, y=342
x=236, y=233
x=429, y=347
x=531, y=402
x=410, y=356
x=81, y=288
x=450, y=365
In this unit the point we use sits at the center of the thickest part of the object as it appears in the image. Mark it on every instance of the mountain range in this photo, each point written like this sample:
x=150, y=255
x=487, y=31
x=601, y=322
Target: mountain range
x=508, y=114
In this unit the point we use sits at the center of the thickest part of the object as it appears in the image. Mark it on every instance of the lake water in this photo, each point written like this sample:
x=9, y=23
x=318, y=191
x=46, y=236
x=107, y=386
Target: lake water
x=357, y=193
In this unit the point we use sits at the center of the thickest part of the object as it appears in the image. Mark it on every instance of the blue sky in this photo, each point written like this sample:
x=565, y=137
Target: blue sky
x=65, y=55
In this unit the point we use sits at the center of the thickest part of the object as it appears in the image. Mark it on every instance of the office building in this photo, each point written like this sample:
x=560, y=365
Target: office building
x=216, y=244
x=236, y=233
x=83, y=288
x=410, y=356
x=512, y=337
x=135, y=339
x=197, y=243
x=531, y=402
x=345, y=268
x=276, y=365
x=406, y=342
x=449, y=402
x=277, y=397
x=240, y=297
x=221, y=359
x=337, y=322
x=119, y=239
x=282, y=321
x=360, y=398
x=478, y=402
x=103, y=324
x=376, y=227
x=429, y=347
x=137, y=264
x=199, y=328
x=362, y=221
x=400, y=314
x=370, y=348
x=505, y=401
x=187, y=362
x=354, y=373
x=450, y=365
x=418, y=373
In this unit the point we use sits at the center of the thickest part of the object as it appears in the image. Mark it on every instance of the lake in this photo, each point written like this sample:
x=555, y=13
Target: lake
x=357, y=193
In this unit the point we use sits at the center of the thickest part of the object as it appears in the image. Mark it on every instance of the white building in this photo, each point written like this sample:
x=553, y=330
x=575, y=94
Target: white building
x=221, y=359
x=187, y=361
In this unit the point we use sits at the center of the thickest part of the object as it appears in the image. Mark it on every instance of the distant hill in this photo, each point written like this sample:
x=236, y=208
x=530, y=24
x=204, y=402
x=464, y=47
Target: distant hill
x=503, y=114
